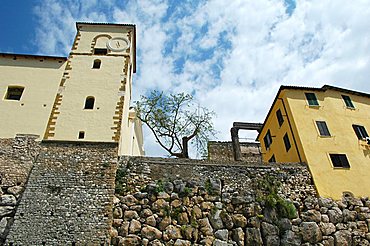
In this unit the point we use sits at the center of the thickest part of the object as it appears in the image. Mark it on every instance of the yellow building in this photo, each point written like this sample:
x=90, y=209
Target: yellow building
x=325, y=128
x=85, y=97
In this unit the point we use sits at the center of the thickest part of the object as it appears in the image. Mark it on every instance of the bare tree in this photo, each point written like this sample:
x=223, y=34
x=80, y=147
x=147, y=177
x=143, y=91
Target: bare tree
x=175, y=120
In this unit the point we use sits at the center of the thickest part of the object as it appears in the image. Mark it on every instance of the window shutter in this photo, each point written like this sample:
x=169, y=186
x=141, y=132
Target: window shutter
x=339, y=160
x=286, y=142
x=347, y=101
x=343, y=161
x=279, y=116
x=360, y=131
x=323, y=128
x=311, y=99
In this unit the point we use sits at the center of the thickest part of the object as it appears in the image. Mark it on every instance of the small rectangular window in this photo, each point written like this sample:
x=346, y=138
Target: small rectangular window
x=272, y=159
x=360, y=132
x=81, y=135
x=348, y=101
x=339, y=160
x=267, y=139
x=279, y=117
x=14, y=93
x=323, y=128
x=286, y=142
x=100, y=51
x=311, y=99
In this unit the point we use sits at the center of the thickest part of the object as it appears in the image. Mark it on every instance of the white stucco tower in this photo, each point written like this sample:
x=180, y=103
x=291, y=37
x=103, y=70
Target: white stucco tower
x=93, y=99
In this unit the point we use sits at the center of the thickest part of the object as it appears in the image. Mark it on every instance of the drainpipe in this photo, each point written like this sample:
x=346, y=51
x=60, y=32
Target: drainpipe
x=291, y=129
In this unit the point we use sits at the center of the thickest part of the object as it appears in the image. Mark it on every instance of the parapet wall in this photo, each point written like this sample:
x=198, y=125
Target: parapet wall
x=223, y=151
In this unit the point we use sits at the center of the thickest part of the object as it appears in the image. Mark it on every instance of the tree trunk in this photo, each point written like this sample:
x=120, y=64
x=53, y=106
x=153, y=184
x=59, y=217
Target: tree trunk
x=185, y=151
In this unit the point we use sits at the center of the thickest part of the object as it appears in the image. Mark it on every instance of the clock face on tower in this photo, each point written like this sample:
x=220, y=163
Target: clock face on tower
x=118, y=44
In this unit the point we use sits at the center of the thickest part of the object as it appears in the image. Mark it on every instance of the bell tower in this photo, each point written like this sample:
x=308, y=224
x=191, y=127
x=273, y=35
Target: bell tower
x=95, y=90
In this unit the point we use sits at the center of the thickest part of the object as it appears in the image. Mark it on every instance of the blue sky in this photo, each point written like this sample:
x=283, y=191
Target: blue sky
x=231, y=55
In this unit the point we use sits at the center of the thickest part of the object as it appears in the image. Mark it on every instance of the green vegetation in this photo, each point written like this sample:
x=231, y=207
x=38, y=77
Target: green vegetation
x=187, y=191
x=166, y=211
x=160, y=187
x=120, y=181
x=175, y=212
x=208, y=187
x=267, y=193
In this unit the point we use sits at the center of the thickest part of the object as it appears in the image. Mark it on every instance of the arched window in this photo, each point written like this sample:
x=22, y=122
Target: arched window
x=89, y=103
x=100, y=46
x=96, y=64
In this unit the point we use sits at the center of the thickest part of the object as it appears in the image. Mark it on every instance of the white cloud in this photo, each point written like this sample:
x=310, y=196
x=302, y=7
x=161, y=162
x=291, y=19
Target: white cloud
x=235, y=54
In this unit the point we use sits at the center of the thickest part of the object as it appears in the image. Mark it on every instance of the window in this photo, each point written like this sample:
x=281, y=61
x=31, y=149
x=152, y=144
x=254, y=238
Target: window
x=339, y=160
x=89, y=103
x=279, y=117
x=14, y=93
x=348, y=101
x=272, y=159
x=100, y=51
x=323, y=128
x=311, y=99
x=96, y=64
x=81, y=135
x=286, y=142
x=360, y=132
x=267, y=139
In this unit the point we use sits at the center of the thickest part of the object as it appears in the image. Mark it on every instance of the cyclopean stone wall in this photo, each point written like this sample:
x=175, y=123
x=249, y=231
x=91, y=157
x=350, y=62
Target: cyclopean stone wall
x=63, y=194
x=175, y=202
x=16, y=160
x=68, y=197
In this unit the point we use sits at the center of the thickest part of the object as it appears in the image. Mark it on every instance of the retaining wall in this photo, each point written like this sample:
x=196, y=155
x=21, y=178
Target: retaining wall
x=169, y=202
x=68, y=196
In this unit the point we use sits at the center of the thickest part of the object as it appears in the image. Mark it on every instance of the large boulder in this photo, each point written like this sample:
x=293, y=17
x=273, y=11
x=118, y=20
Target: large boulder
x=215, y=219
x=166, y=221
x=129, y=200
x=253, y=237
x=239, y=220
x=205, y=227
x=227, y=220
x=311, y=232
x=270, y=234
x=343, y=238
x=7, y=200
x=335, y=215
x=222, y=234
x=327, y=228
x=131, y=240
x=183, y=218
x=135, y=226
x=130, y=214
x=238, y=236
x=123, y=229
x=172, y=232
x=311, y=215
x=289, y=238
x=6, y=210
x=151, y=233
x=180, y=242
x=218, y=242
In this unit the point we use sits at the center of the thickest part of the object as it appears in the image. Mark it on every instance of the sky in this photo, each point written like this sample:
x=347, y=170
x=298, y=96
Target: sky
x=232, y=56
